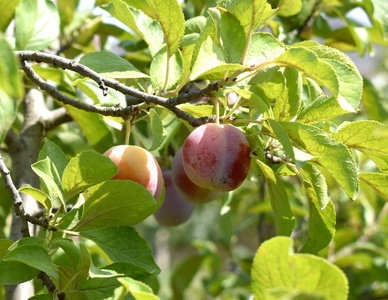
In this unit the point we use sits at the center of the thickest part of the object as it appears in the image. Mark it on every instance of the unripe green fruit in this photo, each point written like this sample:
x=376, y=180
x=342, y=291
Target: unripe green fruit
x=137, y=164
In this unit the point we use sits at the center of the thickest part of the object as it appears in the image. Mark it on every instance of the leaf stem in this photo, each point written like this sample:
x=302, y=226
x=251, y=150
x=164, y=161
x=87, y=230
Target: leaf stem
x=167, y=70
x=217, y=107
x=249, y=35
x=128, y=125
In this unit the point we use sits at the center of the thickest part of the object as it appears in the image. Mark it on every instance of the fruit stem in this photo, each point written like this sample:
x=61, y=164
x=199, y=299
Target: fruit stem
x=128, y=125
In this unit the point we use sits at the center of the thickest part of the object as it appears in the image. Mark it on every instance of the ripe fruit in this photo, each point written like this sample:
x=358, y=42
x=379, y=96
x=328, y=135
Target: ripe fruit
x=175, y=210
x=138, y=165
x=190, y=191
x=216, y=157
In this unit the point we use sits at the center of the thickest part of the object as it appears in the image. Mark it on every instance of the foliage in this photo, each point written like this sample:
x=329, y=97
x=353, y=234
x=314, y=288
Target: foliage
x=310, y=220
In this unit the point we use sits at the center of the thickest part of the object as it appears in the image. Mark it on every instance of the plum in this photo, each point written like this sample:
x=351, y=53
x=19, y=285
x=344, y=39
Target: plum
x=175, y=210
x=139, y=165
x=216, y=157
x=190, y=191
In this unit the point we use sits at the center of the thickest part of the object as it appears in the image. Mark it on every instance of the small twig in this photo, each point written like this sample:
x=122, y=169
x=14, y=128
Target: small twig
x=15, y=196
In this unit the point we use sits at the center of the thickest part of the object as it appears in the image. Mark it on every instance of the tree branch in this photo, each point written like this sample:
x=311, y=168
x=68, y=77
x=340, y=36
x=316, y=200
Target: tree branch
x=114, y=84
x=15, y=196
x=56, y=117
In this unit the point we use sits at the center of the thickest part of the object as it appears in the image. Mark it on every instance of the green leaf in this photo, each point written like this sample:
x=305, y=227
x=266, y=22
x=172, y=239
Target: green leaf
x=198, y=111
x=67, y=9
x=47, y=171
x=282, y=136
x=332, y=155
x=7, y=10
x=56, y=155
x=322, y=216
x=256, y=100
x=159, y=66
x=147, y=28
x=377, y=181
x=124, y=244
x=195, y=25
x=11, y=86
x=244, y=9
x=289, y=8
x=170, y=16
x=34, y=256
x=115, y=203
x=232, y=37
x=158, y=131
x=12, y=272
x=284, y=218
x=37, y=24
x=98, y=288
x=93, y=127
x=85, y=170
x=210, y=63
x=187, y=45
x=137, y=289
x=73, y=253
x=295, y=272
x=374, y=102
x=38, y=195
x=362, y=136
x=288, y=104
x=322, y=109
x=349, y=79
x=262, y=48
x=109, y=65
x=308, y=62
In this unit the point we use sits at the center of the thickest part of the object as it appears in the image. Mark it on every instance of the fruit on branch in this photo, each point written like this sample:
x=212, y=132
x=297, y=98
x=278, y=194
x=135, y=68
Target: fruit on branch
x=216, y=157
x=137, y=164
x=188, y=189
x=175, y=210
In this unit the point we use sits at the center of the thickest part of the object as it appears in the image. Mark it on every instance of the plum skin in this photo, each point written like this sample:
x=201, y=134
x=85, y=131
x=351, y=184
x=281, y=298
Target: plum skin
x=139, y=165
x=175, y=210
x=188, y=189
x=216, y=157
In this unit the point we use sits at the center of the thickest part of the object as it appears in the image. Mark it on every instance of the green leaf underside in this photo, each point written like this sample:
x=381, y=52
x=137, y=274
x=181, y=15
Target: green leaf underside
x=377, y=181
x=13, y=272
x=308, y=62
x=115, y=203
x=335, y=157
x=109, y=65
x=123, y=244
x=159, y=65
x=158, y=131
x=146, y=27
x=38, y=195
x=34, y=256
x=56, y=155
x=242, y=10
x=283, y=138
x=362, y=136
x=322, y=218
x=85, y=170
x=256, y=100
x=276, y=266
x=137, y=289
x=72, y=252
x=48, y=173
x=37, y=24
x=284, y=218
